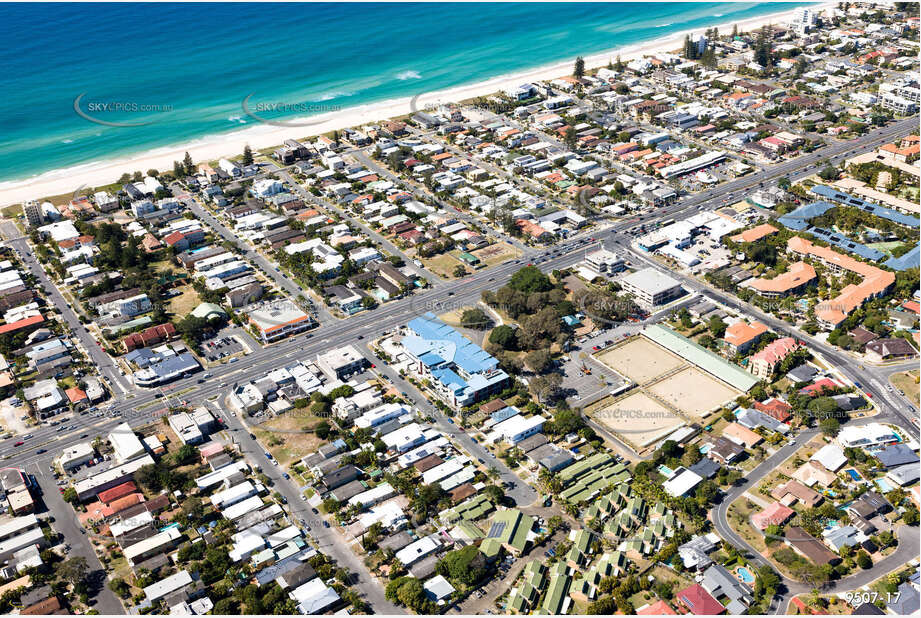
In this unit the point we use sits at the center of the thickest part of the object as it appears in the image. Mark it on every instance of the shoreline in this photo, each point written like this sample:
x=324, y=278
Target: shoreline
x=106, y=171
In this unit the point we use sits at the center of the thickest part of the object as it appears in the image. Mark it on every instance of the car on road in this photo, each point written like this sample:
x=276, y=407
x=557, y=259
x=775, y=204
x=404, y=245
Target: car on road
x=41, y=450
x=286, y=476
x=326, y=524
x=20, y=443
x=252, y=436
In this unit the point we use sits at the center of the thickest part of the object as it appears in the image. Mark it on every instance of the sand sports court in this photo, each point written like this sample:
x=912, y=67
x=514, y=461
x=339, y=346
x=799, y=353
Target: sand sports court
x=638, y=419
x=693, y=392
x=640, y=360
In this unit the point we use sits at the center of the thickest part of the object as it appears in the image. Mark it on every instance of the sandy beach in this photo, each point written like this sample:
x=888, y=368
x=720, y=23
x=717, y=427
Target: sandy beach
x=98, y=173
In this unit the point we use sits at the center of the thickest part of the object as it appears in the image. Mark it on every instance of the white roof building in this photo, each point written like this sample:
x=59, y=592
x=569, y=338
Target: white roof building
x=151, y=546
x=314, y=596
x=232, y=495
x=217, y=477
x=162, y=588
x=416, y=551
x=830, y=456
x=240, y=509
x=681, y=482
x=126, y=445
x=870, y=434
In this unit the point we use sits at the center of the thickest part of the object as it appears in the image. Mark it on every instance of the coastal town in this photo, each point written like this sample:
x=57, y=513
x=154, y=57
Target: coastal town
x=639, y=339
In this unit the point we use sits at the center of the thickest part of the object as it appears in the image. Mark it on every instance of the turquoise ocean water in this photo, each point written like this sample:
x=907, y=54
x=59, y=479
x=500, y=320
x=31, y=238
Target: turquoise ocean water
x=197, y=62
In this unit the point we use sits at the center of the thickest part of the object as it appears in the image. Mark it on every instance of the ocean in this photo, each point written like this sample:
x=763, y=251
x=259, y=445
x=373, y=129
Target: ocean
x=158, y=74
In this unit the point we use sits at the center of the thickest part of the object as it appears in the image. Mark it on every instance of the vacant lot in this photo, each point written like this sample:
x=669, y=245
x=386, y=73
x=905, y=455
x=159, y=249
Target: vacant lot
x=693, y=392
x=637, y=418
x=290, y=436
x=907, y=382
x=442, y=265
x=640, y=360
x=182, y=305
x=496, y=254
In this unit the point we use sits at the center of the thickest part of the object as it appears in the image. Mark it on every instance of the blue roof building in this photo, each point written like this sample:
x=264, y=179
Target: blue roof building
x=874, y=209
x=461, y=371
x=799, y=220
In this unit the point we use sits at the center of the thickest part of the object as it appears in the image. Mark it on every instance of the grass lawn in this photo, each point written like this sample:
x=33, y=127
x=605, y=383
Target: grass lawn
x=739, y=516
x=442, y=265
x=289, y=437
x=182, y=305
x=663, y=574
x=907, y=382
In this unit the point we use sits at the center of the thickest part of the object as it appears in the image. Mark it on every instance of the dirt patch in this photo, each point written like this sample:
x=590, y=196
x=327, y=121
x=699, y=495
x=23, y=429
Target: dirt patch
x=11, y=417
x=640, y=360
x=289, y=437
x=693, y=392
x=637, y=418
x=496, y=254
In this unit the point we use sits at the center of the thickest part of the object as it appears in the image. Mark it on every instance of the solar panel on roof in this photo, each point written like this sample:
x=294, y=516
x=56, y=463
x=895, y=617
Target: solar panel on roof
x=495, y=531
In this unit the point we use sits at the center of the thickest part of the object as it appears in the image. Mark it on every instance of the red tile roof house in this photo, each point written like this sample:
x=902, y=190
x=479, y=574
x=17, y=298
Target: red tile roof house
x=77, y=396
x=741, y=336
x=825, y=384
x=119, y=491
x=776, y=408
x=699, y=602
x=659, y=608
x=774, y=515
x=23, y=323
x=149, y=336
x=177, y=240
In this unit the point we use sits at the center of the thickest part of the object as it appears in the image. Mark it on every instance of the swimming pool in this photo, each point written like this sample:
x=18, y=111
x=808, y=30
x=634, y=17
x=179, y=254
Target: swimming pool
x=665, y=471
x=746, y=575
x=853, y=474
x=704, y=449
x=886, y=487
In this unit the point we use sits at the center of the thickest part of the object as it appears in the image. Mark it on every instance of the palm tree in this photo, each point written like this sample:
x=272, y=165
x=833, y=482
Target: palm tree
x=493, y=472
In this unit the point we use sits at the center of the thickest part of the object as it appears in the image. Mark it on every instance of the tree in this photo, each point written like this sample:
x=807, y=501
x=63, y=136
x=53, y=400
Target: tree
x=475, y=318
x=570, y=137
x=466, y=566
x=247, y=155
x=459, y=271
x=546, y=387
x=784, y=183
x=504, y=336
x=539, y=360
x=187, y=164
x=73, y=570
x=829, y=426
x=530, y=279
x=70, y=495
x=829, y=173
x=863, y=560
x=186, y=454
x=717, y=327
x=578, y=70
